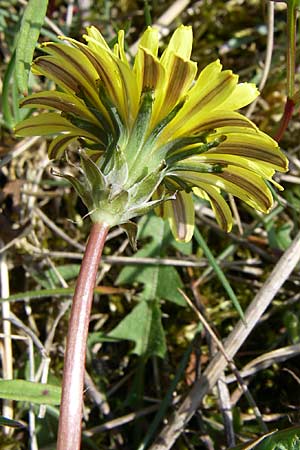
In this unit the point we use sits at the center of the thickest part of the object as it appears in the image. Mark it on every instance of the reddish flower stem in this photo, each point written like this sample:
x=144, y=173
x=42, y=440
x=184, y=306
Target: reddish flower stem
x=288, y=112
x=69, y=430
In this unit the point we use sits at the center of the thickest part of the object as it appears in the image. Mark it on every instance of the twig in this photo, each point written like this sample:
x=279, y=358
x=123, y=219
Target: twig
x=226, y=410
x=50, y=224
x=132, y=260
x=95, y=394
x=237, y=337
x=120, y=421
x=230, y=362
x=21, y=147
x=266, y=360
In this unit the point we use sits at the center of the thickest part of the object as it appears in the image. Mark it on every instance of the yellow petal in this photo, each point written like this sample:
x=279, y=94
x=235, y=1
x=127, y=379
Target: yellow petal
x=149, y=41
x=62, y=101
x=104, y=62
x=69, y=68
x=181, y=215
x=51, y=123
x=149, y=73
x=253, y=146
x=178, y=81
x=211, y=93
x=239, y=182
x=222, y=120
x=121, y=51
x=242, y=95
x=205, y=97
x=180, y=44
x=94, y=33
x=59, y=145
x=218, y=204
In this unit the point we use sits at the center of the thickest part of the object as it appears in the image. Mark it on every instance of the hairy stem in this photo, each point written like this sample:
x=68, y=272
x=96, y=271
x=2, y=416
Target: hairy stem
x=69, y=430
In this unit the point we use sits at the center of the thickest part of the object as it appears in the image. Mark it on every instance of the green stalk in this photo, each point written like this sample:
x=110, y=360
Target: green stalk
x=291, y=47
x=69, y=430
x=291, y=65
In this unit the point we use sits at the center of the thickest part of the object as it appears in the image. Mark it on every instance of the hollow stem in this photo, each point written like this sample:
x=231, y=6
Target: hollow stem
x=69, y=430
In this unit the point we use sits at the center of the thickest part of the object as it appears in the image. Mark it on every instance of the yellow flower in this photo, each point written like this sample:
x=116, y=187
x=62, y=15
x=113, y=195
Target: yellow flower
x=152, y=133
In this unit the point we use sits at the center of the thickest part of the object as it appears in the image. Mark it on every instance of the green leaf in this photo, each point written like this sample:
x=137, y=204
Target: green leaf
x=288, y=439
x=67, y=272
x=160, y=282
x=27, y=391
x=280, y=237
x=8, y=118
x=31, y=25
x=143, y=326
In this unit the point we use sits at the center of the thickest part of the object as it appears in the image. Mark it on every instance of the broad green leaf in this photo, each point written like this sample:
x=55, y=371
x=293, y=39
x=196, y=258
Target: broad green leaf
x=27, y=391
x=48, y=279
x=31, y=25
x=159, y=281
x=143, y=326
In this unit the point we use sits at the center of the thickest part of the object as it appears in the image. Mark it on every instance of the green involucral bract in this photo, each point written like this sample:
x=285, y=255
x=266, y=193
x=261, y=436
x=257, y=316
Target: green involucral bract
x=150, y=134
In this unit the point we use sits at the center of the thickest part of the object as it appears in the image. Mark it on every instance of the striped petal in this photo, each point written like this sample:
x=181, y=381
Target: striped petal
x=58, y=145
x=211, y=89
x=178, y=81
x=50, y=123
x=116, y=76
x=251, y=144
x=239, y=182
x=218, y=204
x=71, y=67
x=264, y=170
x=181, y=216
x=62, y=101
x=106, y=68
x=150, y=74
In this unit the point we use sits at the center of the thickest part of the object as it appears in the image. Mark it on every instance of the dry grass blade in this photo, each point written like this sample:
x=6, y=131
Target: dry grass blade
x=237, y=337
